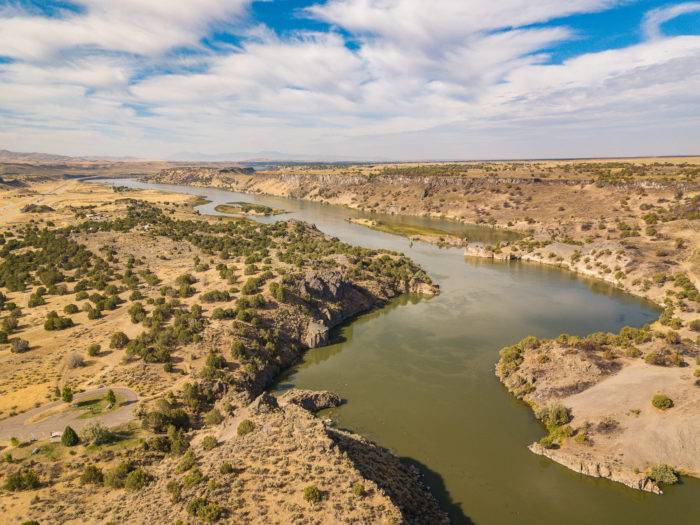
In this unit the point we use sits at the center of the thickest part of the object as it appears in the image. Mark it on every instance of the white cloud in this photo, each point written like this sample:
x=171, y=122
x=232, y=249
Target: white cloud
x=133, y=26
x=460, y=78
x=654, y=19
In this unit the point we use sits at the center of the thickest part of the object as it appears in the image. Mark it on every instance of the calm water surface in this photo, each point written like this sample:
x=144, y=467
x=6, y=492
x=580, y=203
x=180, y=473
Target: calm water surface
x=419, y=376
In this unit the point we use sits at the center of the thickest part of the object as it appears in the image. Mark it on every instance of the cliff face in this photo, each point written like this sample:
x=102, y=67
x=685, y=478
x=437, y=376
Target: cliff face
x=340, y=299
x=329, y=298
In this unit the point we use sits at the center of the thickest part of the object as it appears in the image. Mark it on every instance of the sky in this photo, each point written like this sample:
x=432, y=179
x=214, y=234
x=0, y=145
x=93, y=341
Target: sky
x=350, y=79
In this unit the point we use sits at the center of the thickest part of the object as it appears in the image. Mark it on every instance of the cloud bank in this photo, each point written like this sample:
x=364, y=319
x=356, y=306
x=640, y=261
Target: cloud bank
x=400, y=79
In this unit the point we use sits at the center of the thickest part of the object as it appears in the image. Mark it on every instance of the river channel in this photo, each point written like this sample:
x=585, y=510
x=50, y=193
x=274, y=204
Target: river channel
x=419, y=374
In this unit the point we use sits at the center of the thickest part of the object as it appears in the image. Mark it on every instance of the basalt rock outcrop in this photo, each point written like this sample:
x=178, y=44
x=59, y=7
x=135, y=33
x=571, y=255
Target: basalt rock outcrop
x=311, y=400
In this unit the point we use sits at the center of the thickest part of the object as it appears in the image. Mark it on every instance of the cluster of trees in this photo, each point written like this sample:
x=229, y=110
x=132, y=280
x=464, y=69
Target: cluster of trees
x=57, y=322
x=44, y=256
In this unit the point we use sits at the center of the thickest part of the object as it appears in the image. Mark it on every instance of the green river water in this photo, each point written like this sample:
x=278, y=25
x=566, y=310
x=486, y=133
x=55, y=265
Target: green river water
x=419, y=376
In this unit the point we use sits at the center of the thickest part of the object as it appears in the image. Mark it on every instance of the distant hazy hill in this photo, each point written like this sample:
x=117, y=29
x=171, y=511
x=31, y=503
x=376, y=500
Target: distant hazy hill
x=46, y=158
x=15, y=156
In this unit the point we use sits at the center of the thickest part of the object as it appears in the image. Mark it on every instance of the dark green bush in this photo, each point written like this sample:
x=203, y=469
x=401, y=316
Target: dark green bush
x=69, y=438
x=56, y=322
x=71, y=309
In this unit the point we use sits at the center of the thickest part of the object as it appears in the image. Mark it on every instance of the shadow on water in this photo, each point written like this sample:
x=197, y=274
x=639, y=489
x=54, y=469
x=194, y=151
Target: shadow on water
x=437, y=486
x=396, y=477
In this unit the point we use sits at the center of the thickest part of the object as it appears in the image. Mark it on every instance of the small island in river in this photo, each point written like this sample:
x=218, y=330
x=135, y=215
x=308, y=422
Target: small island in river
x=248, y=208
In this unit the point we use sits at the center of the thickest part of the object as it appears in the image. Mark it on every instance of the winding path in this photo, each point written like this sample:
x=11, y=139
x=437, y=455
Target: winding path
x=21, y=426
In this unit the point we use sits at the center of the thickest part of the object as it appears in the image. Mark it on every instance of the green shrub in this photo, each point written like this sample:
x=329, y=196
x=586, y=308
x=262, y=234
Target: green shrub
x=673, y=338
x=663, y=474
x=175, y=491
x=35, y=300
x=189, y=460
x=209, y=442
x=93, y=313
x=56, y=322
x=116, y=477
x=662, y=401
x=137, y=313
x=555, y=416
x=245, y=427
x=694, y=325
x=158, y=444
x=213, y=417
x=67, y=394
x=24, y=479
x=358, y=489
x=205, y=511
x=312, y=494
x=581, y=437
x=97, y=434
x=137, y=479
x=193, y=477
x=178, y=441
x=94, y=350
x=92, y=474
x=118, y=340
x=226, y=468
x=69, y=438
x=111, y=397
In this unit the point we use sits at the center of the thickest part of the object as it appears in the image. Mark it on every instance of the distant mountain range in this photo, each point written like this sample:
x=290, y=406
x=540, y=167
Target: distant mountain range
x=186, y=156
x=262, y=156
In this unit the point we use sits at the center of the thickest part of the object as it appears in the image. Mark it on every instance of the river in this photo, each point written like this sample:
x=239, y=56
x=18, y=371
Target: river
x=419, y=375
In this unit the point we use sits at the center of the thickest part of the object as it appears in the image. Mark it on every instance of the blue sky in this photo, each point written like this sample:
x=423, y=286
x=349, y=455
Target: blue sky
x=350, y=79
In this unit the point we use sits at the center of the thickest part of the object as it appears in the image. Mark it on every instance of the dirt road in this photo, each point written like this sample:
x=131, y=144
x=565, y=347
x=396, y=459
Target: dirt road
x=30, y=424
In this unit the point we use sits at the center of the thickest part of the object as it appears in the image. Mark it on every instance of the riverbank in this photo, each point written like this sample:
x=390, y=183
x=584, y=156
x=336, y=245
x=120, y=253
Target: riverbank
x=639, y=234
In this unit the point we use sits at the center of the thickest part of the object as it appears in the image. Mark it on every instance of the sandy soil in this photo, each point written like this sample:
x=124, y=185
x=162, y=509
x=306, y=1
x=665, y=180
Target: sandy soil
x=647, y=436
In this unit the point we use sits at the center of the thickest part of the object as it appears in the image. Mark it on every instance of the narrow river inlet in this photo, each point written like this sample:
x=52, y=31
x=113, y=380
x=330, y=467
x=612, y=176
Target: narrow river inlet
x=419, y=379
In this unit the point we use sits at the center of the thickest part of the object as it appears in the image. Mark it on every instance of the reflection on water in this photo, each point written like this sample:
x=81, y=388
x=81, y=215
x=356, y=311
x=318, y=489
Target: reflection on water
x=419, y=378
